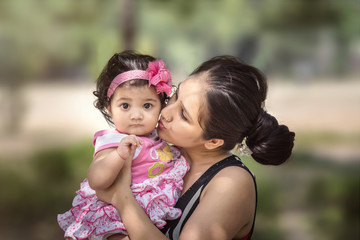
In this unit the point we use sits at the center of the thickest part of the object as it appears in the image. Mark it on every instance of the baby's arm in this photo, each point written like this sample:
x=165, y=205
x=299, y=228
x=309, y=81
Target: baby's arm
x=107, y=163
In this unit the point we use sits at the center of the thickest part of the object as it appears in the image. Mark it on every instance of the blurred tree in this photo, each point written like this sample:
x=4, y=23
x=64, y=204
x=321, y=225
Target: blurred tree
x=129, y=12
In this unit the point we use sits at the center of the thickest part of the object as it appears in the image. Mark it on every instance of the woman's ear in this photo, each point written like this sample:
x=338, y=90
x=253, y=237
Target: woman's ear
x=214, y=143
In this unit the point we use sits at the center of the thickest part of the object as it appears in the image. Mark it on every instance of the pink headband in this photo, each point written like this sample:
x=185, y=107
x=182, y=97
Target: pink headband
x=157, y=74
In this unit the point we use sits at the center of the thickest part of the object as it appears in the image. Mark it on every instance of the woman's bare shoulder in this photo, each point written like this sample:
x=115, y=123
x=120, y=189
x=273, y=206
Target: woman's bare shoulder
x=233, y=176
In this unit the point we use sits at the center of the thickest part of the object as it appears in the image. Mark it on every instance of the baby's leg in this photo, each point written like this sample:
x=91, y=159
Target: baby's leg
x=118, y=236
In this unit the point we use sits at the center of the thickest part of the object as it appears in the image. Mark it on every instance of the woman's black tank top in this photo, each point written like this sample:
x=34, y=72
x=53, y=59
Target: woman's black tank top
x=190, y=199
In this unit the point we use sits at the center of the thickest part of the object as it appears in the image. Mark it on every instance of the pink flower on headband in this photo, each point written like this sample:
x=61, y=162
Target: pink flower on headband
x=159, y=76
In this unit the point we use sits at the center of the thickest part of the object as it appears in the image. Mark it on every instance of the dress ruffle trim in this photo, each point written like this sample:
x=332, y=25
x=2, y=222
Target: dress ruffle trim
x=90, y=217
x=93, y=219
x=158, y=195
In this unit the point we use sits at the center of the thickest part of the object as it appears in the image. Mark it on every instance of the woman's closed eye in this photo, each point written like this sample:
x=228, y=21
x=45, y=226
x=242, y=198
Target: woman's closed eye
x=182, y=115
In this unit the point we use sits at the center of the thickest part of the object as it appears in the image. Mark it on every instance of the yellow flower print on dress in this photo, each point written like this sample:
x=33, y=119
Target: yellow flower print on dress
x=165, y=154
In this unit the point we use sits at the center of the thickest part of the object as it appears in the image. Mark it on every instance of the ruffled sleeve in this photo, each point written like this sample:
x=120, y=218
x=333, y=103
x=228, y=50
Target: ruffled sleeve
x=109, y=139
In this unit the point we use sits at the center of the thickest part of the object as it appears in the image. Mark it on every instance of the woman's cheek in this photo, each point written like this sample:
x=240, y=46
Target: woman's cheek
x=169, y=135
x=163, y=135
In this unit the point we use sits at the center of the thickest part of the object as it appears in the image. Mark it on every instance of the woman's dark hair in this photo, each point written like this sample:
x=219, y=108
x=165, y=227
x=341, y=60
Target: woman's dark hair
x=119, y=63
x=235, y=98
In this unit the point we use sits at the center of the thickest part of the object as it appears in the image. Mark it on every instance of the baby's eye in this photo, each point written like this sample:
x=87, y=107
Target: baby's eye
x=125, y=106
x=147, y=105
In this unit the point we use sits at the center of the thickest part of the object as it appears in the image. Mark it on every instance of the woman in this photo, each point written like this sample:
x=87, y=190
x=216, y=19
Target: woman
x=213, y=111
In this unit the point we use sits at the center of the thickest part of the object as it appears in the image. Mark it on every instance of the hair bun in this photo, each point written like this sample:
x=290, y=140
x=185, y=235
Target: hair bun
x=270, y=143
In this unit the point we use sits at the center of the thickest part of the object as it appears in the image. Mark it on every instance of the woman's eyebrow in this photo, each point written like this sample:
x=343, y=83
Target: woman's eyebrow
x=182, y=105
x=178, y=88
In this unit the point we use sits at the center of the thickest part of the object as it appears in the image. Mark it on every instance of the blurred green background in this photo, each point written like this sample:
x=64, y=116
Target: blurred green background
x=52, y=51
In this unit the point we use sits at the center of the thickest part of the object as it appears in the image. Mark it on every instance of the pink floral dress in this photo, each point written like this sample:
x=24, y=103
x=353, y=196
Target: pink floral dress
x=157, y=172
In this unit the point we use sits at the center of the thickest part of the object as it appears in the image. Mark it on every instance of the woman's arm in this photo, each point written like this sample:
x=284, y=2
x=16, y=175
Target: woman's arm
x=107, y=163
x=225, y=211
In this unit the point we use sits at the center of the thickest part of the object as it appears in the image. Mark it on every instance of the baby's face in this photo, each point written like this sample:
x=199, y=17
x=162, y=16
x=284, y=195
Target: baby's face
x=135, y=109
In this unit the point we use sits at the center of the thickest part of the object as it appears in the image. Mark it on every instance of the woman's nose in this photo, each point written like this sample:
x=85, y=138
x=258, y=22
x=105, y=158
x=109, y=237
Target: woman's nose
x=166, y=113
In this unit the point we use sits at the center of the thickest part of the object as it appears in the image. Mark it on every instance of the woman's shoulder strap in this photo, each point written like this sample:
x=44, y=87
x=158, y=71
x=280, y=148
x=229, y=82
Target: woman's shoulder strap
x=232, y=160
x=189, y=201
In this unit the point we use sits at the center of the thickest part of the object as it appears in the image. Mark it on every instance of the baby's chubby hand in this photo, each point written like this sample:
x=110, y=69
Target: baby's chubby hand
x=128, y=145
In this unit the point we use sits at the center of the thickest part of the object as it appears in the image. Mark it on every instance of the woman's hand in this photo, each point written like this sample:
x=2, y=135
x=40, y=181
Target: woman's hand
x=120, y=187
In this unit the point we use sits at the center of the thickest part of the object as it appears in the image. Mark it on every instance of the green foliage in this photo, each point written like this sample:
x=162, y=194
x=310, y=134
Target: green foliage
x=77, y=37
x=335, y=199
x=324, y=191
x=43, y=186
x=62, y=35
x=302, y=14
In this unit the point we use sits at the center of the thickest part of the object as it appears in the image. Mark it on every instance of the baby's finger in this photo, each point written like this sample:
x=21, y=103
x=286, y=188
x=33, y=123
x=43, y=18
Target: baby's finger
x=137, y=140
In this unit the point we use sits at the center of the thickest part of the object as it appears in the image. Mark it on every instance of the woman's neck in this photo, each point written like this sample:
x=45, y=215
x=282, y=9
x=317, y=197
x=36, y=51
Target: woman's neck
x=200, y=158
x=200, y=161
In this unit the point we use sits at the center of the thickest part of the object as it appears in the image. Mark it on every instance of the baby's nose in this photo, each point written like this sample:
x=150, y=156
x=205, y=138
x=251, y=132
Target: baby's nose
x=136, y=114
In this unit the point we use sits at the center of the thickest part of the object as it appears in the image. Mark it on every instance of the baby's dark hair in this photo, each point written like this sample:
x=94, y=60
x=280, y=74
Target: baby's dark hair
x=233, y=110
x=119, y=63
